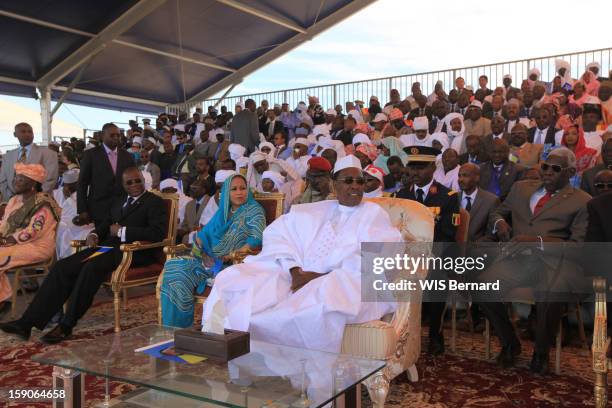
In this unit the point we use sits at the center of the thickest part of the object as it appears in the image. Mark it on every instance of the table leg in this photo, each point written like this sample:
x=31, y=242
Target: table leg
x=351, y=398
x=73, y=383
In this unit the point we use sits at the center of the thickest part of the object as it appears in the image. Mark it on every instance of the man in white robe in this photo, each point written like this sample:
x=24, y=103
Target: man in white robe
x=305, y=285
x=65, y=196
x=299, y=157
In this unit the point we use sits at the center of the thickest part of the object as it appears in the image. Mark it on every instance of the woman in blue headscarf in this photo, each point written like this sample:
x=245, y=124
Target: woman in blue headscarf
x=237, y=225
x=391, y=146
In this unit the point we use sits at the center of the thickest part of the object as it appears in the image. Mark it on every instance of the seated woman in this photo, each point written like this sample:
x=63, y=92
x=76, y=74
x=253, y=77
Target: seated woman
x=27, y=229
x=237, y=225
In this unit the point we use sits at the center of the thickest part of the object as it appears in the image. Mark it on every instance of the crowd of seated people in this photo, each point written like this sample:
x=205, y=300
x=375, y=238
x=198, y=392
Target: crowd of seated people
x=479, y=149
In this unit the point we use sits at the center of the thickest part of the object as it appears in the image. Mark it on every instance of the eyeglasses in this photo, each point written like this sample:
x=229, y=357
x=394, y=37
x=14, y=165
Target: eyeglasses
x=555, y=167
x=351, y=180
x=602, y=186
x=135, y=181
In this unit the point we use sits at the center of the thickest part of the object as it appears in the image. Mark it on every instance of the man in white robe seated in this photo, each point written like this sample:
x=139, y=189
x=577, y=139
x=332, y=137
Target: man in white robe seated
x=305, y=285
x=260, y=162
x=65, y=196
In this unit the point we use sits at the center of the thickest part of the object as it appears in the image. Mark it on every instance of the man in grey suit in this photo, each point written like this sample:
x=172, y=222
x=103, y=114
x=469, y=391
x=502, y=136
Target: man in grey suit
x=147, y=165
x=199, y=191
x=31, y=153
x=478, y=202
x=542, y=213
x=245, y=127
x=588, y=177
x=499, y=175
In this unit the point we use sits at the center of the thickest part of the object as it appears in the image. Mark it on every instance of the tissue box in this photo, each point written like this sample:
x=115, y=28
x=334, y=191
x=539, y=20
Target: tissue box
x=216, y=347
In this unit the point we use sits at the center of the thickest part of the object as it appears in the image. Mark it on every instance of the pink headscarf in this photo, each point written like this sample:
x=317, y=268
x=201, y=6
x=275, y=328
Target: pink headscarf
x=591, y=83
x=369, y=150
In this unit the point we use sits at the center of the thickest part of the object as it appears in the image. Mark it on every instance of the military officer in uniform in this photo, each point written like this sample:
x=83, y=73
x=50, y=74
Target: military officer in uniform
x=444, y=204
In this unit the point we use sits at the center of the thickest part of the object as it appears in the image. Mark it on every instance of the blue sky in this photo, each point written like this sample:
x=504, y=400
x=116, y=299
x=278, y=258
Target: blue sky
x=393, y=37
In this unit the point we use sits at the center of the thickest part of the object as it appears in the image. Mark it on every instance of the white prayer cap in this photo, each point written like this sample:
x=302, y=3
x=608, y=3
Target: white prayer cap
x=275, y=176
x=138, y=140
x=235, y=150
x=476, y=103
x=222, y=175
x=361, y=138
x=534, y=71
x=331, y=112
x=151, y=139
x=420, y=123
x=70, y=176
x=303, y=140
x=168, y=183
x=593, y=64
x=347, y=162
x=257, y=156
x=380, y=117
x=508, y=76
x=375, y=172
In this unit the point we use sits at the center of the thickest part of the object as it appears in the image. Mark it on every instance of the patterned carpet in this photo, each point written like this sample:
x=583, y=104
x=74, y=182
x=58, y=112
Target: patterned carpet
x=463, y=379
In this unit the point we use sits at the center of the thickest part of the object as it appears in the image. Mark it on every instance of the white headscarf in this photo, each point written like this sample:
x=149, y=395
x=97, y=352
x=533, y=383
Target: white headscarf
x=442, y=138
x=236, y=151
x=362, y=138
x=455, y=139
x=276, y=177
x=269, y=145
x=567, y=78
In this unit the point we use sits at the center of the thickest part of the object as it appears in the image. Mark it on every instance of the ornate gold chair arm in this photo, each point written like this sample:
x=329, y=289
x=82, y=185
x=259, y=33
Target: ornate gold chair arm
x=173, y=250
x=238, y=256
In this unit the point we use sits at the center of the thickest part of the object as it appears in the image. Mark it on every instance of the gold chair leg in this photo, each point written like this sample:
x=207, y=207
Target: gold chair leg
x=117, y=305
x=600, y=344
x=125, y=298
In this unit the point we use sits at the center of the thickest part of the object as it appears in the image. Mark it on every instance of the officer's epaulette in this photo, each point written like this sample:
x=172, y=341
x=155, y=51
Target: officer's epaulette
x=450, y=193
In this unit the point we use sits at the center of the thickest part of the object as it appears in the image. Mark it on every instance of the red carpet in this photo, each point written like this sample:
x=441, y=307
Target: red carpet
x=461, y=380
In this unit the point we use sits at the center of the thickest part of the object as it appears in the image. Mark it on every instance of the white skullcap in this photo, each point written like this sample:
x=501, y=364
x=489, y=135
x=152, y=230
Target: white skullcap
x=347, y=162
x=236, y=151
x=380, y=117
x=275, y=176
x=257, y=156
x=331, y=112
x=138, y=140
x=508, y=76
x=361, y=138
x=151, y=139
x=476, y=103
x=534, y=71
x=375, y=172
x=222, y=175
x=303, y=140
x=168, y=183
x=70, y=176
x=420, y=123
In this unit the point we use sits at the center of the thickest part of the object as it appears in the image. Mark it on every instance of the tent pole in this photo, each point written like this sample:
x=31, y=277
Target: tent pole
x=45, y=114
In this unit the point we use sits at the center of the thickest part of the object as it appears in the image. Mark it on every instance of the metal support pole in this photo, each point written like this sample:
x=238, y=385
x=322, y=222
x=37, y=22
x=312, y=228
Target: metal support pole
x=45, y=114
x=335, y=95
x=230, y=89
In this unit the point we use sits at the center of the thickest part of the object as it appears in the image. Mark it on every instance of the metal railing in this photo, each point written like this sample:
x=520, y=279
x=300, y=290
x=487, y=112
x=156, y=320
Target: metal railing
x=333, y=94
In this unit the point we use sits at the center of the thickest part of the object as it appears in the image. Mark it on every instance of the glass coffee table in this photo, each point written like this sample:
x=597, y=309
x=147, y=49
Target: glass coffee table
x=269, y=376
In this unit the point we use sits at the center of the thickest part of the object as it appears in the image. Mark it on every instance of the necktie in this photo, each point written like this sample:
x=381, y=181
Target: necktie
x=494, y=184
x=419, y=196
x=23, y=156
x=468, y=206
x=127, y=205
x=197, y=207
x=541, y=202
x=538, y=139
x=217, y=151
x=112, y=157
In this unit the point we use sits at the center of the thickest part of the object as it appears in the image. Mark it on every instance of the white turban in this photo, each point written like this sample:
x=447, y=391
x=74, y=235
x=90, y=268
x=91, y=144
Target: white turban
x=275, y=176
x=168, y=183
x=236, y=151
x=138, y=140
x=257, y=156
x=362, y=138
x=347, y=162
x=222, y=175
x=70, y=176
x=270, y=146
x=534, y=71
x=420, y=123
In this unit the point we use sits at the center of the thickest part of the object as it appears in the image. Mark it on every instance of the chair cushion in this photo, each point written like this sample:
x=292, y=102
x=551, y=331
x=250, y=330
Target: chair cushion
x=142, y=272
x=375, y=339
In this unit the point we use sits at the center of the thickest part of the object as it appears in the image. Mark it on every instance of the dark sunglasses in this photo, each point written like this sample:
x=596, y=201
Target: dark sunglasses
x=555, y=167
x=135, y=181
x=351, y=180
x=601, y=186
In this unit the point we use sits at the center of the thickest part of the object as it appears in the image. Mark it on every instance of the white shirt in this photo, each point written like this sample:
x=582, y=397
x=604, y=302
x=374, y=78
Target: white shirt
x=425, y=189
x=472, y=197
x=450, y=179
x=121, y=232
x=593, y=139
x=500, y=136
x=540, y=136
x=535, y=197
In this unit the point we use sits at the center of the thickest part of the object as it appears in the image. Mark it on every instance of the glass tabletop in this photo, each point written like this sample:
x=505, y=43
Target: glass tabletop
x=270, y=374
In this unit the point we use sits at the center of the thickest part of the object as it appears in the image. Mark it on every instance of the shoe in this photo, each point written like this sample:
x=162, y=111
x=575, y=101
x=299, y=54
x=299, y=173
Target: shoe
x=18, y=328
x=29, y=285
x=539, y=363
x=57, y=335
x=508, y=354
x=436, y=345
x=4, y=307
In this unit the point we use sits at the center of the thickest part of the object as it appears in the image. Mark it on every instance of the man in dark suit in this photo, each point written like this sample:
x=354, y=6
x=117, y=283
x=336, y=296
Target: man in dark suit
x=478, y=202
x=421, y=110
x=272, y=125
x=76, y=279
x=588, y=177
x=100, y=177
x=476, y=152
x=498, y=125
x=498, y=175
x=445, y=206
x=245, y=127
x=545, y=132
x=541, y=213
